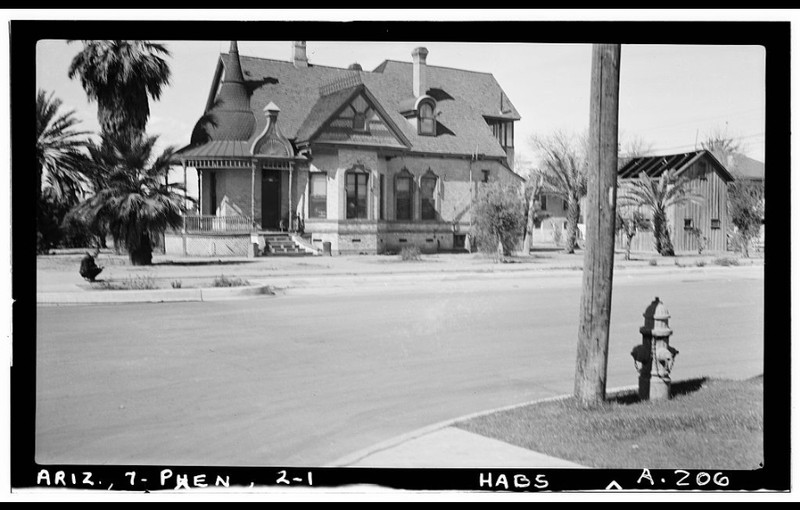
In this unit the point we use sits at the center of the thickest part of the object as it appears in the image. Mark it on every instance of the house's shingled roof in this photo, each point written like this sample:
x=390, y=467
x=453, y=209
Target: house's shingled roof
x=323, y=109
x=296, y=91
x=654, y=166
x=747, y=168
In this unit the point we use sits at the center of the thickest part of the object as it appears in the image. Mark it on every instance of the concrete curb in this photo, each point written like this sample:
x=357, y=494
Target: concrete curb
x=353, y=458
x=151, y=296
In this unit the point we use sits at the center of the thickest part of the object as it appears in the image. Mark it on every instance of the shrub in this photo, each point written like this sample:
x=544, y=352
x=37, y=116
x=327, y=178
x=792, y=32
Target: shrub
x=410, y=253
x=700, y=239
x=700, y=263
x=223, y=281
x=653, y=262
x=177, y=284
x=143, y=282
x=726, y=261
x=499, y=218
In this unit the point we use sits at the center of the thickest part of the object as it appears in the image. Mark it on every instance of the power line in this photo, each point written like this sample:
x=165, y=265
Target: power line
x=701, y=120
x=691, y=146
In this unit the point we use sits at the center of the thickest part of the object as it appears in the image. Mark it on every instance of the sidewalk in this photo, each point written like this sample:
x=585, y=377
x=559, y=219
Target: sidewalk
x=58, y=281
x=444, y=445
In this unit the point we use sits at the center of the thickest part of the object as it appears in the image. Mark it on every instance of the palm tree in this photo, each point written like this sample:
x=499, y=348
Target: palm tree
x=136, y=203
x=564, y=175
x=657, y=195
x=59, y=150
x=121, y=76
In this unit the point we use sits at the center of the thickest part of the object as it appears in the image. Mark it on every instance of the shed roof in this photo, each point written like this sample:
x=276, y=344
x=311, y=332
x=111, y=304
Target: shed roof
x=654, y=166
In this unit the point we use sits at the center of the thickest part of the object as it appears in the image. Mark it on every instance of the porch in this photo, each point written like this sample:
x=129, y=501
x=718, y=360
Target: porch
x=233, y=224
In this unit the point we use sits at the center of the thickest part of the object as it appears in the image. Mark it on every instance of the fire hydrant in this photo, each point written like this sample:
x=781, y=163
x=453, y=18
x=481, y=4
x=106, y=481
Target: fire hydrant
x=654, y=357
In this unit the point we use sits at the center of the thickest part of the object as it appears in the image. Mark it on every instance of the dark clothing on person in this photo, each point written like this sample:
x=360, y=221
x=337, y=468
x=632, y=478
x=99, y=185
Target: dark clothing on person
x=89, y=270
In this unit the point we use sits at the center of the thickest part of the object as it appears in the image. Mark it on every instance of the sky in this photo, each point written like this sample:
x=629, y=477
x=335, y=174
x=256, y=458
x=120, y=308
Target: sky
x=671, y=96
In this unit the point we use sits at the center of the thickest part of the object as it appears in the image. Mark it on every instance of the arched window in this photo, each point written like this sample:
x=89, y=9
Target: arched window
x=356, y=181
x=427, y=193
x=427, y=122
x=404, y=195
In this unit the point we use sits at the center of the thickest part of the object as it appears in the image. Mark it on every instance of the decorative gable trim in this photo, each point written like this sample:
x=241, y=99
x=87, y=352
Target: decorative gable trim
x=373, y=104
x=271, y=142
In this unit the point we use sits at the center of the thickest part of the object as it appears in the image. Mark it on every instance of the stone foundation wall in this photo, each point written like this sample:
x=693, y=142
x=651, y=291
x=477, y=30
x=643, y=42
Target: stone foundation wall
x=200, y=245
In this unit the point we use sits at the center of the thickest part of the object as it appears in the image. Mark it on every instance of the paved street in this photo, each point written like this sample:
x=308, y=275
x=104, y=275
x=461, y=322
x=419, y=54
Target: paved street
x=308, y=376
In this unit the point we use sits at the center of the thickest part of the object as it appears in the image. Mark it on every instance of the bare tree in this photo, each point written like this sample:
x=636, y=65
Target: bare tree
x=633, y=146
x=533, y=191
x=724, y=147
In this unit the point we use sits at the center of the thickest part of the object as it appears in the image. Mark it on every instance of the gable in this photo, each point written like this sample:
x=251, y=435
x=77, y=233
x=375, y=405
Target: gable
x=350, y=116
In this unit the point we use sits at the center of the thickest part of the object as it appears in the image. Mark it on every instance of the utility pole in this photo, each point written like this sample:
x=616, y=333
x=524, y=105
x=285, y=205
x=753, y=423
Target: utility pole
x=601, y=199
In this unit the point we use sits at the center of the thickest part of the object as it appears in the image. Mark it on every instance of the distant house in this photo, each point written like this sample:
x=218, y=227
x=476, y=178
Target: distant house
x=708, y=178
x=552, y=227
x=745, y=168
x=368, y=161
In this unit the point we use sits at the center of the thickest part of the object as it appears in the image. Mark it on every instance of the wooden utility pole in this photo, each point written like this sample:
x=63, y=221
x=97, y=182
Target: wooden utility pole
x=598, y=264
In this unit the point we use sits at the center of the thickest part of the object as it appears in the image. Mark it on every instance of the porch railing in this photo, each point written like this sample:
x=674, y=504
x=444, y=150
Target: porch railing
x=218, y=224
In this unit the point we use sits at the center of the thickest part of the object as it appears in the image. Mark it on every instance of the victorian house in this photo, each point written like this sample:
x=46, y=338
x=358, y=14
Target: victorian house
x=297, y=157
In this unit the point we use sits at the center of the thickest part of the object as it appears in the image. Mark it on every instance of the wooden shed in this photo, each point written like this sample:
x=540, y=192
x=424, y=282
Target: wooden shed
x=708, y=178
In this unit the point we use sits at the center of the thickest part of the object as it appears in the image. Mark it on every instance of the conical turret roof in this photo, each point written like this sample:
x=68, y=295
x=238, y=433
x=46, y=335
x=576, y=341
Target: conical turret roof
x=230, y=117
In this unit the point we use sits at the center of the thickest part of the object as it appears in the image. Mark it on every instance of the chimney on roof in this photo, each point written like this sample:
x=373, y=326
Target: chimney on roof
x=420, y=71
x=299, y=57
x=355, y=67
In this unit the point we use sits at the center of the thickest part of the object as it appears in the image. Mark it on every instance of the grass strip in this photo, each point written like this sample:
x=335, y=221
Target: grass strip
x=714, y=424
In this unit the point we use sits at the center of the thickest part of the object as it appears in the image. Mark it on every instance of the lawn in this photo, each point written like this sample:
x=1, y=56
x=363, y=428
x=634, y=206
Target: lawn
x=711, y=424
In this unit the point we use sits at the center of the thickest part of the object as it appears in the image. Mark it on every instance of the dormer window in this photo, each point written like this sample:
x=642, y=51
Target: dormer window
x=427, y=122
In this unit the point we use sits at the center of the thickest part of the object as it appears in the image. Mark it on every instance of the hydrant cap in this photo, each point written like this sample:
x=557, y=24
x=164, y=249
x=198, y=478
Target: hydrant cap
x=656, y=311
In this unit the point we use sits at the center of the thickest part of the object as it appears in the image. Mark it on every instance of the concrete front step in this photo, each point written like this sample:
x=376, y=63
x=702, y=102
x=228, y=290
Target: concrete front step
x=284, y=246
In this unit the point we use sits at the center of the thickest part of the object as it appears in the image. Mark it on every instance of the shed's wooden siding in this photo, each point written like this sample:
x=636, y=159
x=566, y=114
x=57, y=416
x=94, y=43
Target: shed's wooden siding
x=706, y=182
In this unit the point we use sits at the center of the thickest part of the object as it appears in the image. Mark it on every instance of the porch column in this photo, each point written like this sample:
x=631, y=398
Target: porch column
x=199, y=192
x=291, y=171
x=253, y=196
x=185, y=207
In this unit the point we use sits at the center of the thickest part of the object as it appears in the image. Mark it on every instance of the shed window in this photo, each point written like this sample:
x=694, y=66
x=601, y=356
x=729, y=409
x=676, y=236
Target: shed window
x=318, y=196
x=688, y=224
x=485, y=175
x=715, y=224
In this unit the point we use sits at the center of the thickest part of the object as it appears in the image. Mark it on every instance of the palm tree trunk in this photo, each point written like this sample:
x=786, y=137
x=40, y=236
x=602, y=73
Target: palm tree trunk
x=662, y=238
x=573, y=213
x=142, y=255
x=628, y=242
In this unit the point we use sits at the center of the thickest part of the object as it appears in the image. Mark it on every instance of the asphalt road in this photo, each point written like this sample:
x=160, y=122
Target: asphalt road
x=306, y=377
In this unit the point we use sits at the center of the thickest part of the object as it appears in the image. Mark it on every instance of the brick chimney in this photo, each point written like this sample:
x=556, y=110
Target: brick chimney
x=420, y=71
x=299, y=57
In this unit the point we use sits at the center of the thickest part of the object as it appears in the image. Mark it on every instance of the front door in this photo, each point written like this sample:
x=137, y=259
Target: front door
x=270, y=199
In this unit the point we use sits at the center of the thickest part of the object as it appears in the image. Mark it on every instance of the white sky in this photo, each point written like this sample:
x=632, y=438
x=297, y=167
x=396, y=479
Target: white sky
x=669, y=95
